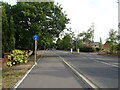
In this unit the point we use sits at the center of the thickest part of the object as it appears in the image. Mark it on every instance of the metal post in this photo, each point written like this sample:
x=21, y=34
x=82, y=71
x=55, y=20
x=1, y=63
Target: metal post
x=35, y=50
x=118, y=19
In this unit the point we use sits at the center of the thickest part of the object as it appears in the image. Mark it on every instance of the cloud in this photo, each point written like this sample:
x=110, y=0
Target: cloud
x=103, y=13
x=82, y=13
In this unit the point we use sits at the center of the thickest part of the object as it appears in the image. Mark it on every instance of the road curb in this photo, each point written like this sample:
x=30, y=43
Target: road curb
x=91, y=84
x=20, y=81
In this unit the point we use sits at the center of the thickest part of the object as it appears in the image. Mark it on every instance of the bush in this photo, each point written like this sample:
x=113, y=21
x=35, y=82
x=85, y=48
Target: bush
x=86, y=49
x=17, y=57
x=118, y=47
x=97, y=49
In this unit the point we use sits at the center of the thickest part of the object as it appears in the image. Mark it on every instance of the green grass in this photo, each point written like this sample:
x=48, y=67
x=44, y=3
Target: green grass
x=11, y=76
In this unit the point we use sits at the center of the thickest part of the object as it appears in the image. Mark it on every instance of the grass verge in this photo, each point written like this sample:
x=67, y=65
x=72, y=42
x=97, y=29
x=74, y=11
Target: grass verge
x=11, y=75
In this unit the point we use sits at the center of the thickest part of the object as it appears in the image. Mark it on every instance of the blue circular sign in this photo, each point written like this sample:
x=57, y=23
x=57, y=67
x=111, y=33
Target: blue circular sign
x=35, y=37
x=76, y=41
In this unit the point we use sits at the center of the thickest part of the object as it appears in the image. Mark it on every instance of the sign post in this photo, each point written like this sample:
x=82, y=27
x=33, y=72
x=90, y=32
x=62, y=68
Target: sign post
x=35, y=37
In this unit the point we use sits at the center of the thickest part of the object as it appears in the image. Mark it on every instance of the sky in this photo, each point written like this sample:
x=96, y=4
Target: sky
x=82, y=13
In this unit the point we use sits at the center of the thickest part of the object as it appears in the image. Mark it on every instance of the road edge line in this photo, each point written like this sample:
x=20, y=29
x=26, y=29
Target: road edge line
x=80, y=75
x=20, y=81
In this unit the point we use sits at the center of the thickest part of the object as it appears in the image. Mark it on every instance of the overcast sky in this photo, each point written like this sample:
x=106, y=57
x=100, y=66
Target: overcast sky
x=82, y=13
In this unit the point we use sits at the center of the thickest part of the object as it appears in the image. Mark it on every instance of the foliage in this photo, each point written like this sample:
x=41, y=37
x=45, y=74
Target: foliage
x=17, y=57
x=112, y=40
x=44, y=19
x=118, y=47
x=87, y=36
x=77, y=45
x=4, y=31
x=8, y=30
x=85, y=48
x=65, y=43
x=22, y=21
x=98, y=49
x=100, y=45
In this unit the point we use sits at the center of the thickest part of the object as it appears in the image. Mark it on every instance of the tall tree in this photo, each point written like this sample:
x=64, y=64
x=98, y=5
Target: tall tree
x=65, y=43
x=5, y=28
x=86, y=36
x=100, y=44
x=11, y=32
x=0, y=32
x=112, y=39
x=32, y=18
x=8, y=39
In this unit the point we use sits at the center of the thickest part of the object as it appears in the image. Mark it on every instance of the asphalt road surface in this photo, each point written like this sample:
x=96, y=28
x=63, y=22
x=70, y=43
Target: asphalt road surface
x=101, y=70
x=51, y=72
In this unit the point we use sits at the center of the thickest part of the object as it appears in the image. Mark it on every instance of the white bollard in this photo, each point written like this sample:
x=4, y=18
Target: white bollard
x=71, y=50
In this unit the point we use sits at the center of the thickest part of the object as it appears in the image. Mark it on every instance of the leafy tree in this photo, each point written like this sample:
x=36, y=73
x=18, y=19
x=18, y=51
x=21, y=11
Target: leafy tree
x=112, y=39
x=5, y=33
x=65, y=43
x=59, y=44
x=11, y=32
x=86, y=36
x=44, y=19
x=45, y=43
x=77, y=45
x=8, y=39
x=100, y=44
x=0, y=32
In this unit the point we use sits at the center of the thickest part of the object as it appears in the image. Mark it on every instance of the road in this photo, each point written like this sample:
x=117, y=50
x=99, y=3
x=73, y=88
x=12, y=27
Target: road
x=101, y=70
x=51, y=72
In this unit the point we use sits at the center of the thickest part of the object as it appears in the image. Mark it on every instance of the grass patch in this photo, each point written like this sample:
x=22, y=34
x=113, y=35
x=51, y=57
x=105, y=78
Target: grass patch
x=109, y=54
x=11, y=75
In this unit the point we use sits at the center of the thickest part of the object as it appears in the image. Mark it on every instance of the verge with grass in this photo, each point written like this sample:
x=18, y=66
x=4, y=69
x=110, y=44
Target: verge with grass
x=11, y=75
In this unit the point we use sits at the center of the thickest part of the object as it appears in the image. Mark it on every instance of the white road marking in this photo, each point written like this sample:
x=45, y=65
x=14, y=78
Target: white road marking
x=114, y=64
x=80, y=75
x=106, y=63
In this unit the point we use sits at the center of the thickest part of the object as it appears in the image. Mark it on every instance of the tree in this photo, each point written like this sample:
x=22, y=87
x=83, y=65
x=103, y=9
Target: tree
x=100, y=44
x=59, y=43
x=65, y=43
x=5, y=27
x=112, y=39
x=86, y=36
x=8, y=39
x=44, y=19
x=11, y=32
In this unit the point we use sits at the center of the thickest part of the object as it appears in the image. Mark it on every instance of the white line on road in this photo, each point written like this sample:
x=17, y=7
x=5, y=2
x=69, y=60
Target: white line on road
x=80, y=75
x=106, y=63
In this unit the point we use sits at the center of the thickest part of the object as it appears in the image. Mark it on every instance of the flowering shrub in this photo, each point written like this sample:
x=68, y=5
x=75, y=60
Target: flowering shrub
x=17, y=57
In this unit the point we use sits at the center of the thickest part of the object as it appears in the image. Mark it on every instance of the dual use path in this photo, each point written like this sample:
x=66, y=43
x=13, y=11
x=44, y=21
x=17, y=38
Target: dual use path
x=51, y=72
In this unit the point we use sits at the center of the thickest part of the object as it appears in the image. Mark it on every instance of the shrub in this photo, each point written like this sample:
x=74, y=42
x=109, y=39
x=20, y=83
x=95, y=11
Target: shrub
x=17, y=57
x=97, y=49
x=87, y=49
x=118, y=47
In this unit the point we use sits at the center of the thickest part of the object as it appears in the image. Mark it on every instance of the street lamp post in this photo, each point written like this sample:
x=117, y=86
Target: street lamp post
x=93, y=32
x=118, y=18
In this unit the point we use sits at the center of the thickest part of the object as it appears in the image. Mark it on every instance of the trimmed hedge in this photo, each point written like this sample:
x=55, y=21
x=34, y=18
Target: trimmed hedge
x=17, y=57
